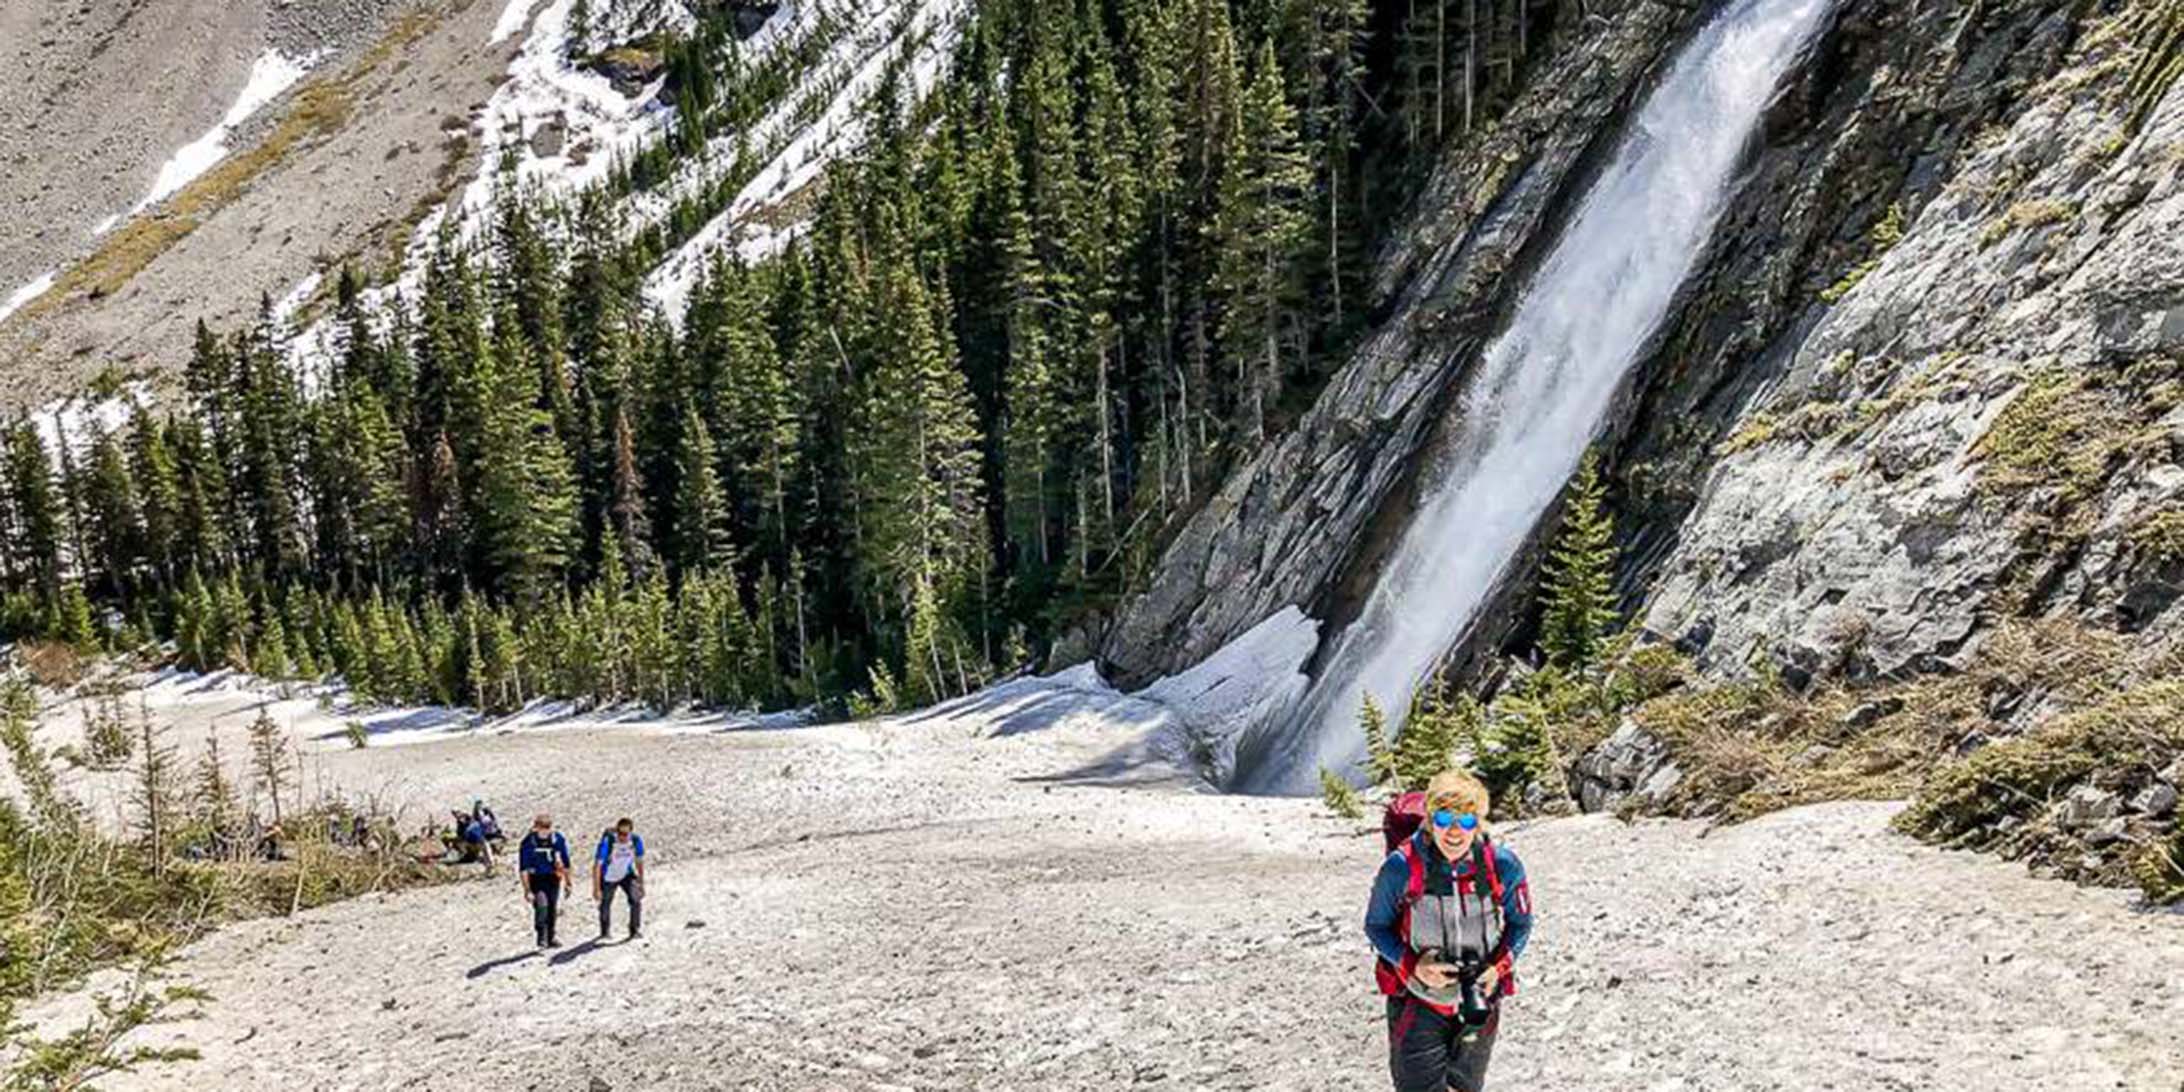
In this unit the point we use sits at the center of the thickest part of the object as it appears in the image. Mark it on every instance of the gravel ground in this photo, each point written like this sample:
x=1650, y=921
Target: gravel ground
x=975, y=899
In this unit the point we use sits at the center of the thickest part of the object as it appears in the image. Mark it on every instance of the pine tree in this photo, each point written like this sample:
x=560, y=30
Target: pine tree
x=1579, y=612
x=36, y=508
x=116, y=531
x=154, y=794
x=159, y=491
x=213, y=796
x=1379, y=756
x=270, y=763
x=1264, y=222
x=629, y=529
x=269, y=656
x=700, y=513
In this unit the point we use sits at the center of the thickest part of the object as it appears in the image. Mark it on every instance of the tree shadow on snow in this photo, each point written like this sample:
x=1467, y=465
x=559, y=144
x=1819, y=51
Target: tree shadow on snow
x=1014, y=710
x=1134, y=765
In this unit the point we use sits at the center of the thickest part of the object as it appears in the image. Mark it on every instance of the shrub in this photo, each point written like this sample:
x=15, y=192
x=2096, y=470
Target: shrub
x=1338, y=795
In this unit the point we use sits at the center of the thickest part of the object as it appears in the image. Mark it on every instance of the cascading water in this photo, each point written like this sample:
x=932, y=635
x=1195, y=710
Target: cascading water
x=1544, y=386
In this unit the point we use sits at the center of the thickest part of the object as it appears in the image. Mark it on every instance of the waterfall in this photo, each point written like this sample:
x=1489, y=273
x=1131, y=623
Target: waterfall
x=1542, y=389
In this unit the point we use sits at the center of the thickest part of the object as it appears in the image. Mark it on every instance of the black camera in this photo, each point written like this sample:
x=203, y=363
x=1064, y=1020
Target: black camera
x=1473, y=1007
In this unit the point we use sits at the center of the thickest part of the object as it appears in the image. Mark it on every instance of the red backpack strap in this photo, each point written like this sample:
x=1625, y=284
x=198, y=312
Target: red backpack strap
x=1392, y=979
x=1506, y=962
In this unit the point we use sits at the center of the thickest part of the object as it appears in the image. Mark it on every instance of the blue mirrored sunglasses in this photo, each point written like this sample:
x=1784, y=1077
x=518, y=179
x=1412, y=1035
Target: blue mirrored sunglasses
x=1444, y=819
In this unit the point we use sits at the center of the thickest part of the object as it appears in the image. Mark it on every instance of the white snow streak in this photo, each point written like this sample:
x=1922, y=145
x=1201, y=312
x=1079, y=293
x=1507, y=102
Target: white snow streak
x=512, y=19
x=27, y=293
x=81, y=418
x=270, y=75
x=599, y=124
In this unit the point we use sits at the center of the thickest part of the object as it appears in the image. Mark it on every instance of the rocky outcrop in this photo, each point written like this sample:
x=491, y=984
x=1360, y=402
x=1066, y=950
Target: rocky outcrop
x=1631, y=765
x=1290, y=524
x=1981, y=422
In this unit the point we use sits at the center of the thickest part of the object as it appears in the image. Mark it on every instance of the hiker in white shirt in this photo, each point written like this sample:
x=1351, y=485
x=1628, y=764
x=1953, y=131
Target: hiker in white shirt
x=619, y=865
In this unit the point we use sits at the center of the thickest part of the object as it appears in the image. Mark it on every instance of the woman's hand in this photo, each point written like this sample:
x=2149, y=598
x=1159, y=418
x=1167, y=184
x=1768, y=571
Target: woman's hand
x=1489, y=980
x=1435, y=976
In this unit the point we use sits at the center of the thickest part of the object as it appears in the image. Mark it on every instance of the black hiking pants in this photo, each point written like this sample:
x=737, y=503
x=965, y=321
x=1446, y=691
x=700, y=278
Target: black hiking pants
x=631, y=892
x=1430, y=1052
x=545, y=904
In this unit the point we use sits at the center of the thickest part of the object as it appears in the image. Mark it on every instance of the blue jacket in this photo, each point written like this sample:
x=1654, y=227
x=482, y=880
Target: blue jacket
x=539, y=857
x=1385, y=911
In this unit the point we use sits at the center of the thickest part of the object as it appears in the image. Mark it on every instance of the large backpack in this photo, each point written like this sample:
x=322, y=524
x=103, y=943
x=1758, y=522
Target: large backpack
x=1401, y=819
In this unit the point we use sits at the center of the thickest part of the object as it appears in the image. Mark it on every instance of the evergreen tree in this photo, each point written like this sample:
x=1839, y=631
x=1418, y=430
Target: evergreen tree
x=269, y=760
x=1579, y=611
x=212, y=797
x=155, y=792
x=37, y=513
x=701, y=517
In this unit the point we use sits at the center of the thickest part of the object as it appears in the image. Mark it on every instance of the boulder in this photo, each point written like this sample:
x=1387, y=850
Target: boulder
x=629, y=68
x=2088, y=806
x=1631, y=763
x=2157, y=800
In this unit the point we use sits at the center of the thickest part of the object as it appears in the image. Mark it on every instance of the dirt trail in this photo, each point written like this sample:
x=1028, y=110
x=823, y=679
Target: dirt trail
x=936, y=903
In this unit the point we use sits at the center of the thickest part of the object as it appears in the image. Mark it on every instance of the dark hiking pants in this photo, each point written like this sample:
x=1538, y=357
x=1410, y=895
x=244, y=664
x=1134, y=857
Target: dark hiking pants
x=545, y=904
x=1432, y=1052
x=627, y=885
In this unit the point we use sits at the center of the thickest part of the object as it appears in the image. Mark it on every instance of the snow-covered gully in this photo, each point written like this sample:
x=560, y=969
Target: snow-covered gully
x=1013, y=892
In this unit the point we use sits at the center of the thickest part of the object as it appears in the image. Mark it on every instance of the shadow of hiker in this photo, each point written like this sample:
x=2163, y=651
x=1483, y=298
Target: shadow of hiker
x=567, y=954
x=480, y=970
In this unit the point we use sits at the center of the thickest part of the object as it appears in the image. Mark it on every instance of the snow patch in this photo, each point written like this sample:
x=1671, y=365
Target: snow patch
x=297, y=296
x=106, y=225
x=600, y=125
x=80, y=418
x=1243, y=684
x=511, y=19
x=271, y=74
x=27, y=293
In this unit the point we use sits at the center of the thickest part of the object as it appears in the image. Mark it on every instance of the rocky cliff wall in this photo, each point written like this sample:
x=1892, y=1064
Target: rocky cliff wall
x=1298, y=524
x=1950, y=212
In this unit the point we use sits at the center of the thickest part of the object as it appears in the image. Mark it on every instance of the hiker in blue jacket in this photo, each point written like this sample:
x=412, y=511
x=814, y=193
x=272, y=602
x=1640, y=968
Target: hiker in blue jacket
x=1450, y=913
x=619, y=865
x=542, y=868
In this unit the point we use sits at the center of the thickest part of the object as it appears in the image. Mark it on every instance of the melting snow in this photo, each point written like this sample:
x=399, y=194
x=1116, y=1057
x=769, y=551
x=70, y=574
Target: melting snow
x=81, y=417
x=272, y=74
x=512, y=19
x=27, y=293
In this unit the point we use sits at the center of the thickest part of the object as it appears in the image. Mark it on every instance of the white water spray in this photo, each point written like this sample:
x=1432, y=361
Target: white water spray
x=1543, y=388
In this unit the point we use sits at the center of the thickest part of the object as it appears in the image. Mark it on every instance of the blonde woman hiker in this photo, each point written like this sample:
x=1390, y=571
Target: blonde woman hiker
x=1450, y=913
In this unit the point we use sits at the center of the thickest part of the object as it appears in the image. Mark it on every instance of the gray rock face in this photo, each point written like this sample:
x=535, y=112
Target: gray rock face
x=2157, y=800
x=1937, y=449
x=2087, y=806
x=1282, y=528
x=1631, y=763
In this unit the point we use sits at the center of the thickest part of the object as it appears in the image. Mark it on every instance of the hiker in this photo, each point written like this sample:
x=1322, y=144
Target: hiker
x=1449, y=915
x=470, y=842
x=542, y=869
x=487, y=821
x=619, y=865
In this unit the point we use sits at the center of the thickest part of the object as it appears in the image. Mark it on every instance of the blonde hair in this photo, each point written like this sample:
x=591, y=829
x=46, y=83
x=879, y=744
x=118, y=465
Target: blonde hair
x=1459, y=791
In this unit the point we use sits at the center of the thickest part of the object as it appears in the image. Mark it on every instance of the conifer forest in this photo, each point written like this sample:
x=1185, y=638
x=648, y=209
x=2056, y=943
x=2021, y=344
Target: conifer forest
x=1032, y=321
